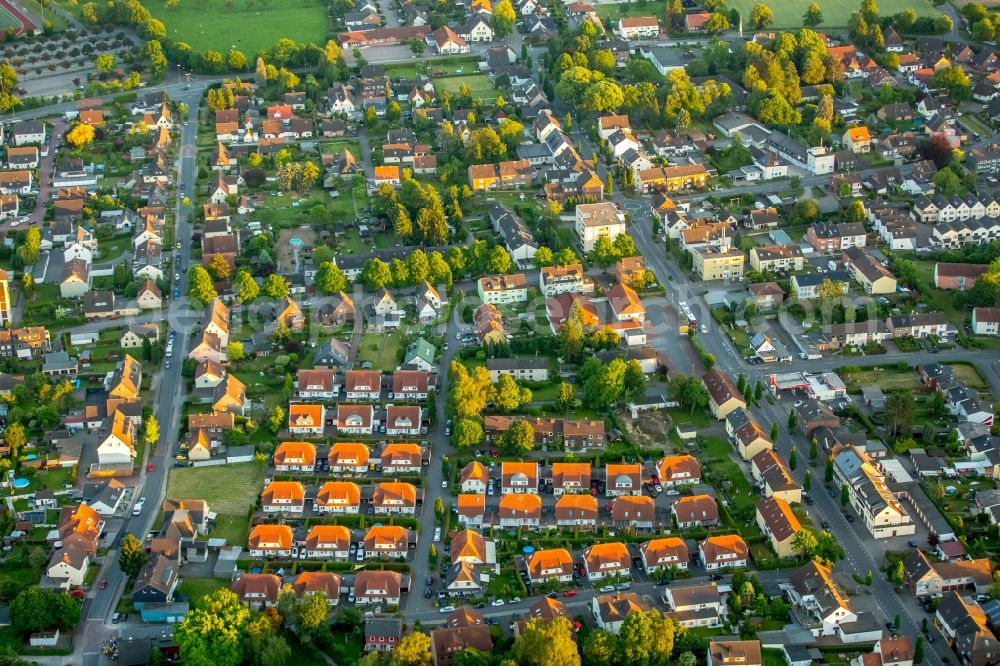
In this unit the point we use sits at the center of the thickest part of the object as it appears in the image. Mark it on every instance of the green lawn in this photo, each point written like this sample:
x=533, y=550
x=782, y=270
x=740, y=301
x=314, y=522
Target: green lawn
x=234, y=529
x=479, y=86
x=228, y=489
x=788, y=14
x=381, y=349
x=886, y=379
x=207, y=24
x=631, y=9
x=196, y=588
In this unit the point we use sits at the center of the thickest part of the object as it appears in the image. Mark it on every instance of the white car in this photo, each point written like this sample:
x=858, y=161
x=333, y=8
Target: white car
x=798, y=403
x=444, y=484
x=607, y=588
x=437, y=534
x=295, y=552
x=496, y=602
x=14, y=223
x=446, y=609
x=515, y=600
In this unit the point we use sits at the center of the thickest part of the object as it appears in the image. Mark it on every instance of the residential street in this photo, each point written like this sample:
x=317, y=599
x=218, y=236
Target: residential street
x=99, y=606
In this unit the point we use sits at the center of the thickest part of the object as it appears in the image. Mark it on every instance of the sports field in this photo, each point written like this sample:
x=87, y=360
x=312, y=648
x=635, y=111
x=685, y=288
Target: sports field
x=11, y=18
x=208, y=24
x=788, y=13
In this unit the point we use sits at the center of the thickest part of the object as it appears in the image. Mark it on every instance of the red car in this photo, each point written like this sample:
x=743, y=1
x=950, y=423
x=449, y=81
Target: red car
x=569, y=593
x=103, y=584
x=149, y=467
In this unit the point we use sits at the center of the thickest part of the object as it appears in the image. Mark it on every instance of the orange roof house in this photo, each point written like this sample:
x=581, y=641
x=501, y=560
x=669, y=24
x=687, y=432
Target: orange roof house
x=695, y=511
x=721, y=552
x=553, y=563
x=328, y=541
x=474, y=477
x=607, y=559
x=306, y=419
x=270, y=540
x=570, y=478
x=576, y=510
x=391, y=540
x=622, y=479
x=387, y=174
x=326, y=583
x=518, y=477
x=283, y=496
x=257, y=590
x=399, y=457
x=348, y=457
x=471, y=509
x=664, y=553
x=395, y=497
x=338, y=497
x=295, y=457
x=679, y=470
x=634, y=511
x=469, y=546
x=516, y=510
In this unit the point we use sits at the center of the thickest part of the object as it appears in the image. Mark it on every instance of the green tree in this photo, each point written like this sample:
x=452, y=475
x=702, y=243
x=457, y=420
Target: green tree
x=504, y=18
x=792, y=420
x=413, y=650
x=543, y=257
x=132, y=556
x=234, y=351
x=955, y=81
x=918, y=651
x=813, y=16
x=151, y=430
x=466, y=433
x=774, y=431
x=518, y=438
x=276, y=418
x=793, y=459
x=104, y=63
x=565, y=396
x=276, y=286
x=761, y=16
x=807, y=481
x=376, y=273
x=330, y=279
x=804, y=543
x=635, y=379
x=213, y=631
x=828, y=475
x=35, y=609
x=900, y=409
x=247, y=290
x=200, y=286
x=604, y=389
x=507, y=396
x=546, y=642
x=845, y=495
x=600, y=648
x=604, y=253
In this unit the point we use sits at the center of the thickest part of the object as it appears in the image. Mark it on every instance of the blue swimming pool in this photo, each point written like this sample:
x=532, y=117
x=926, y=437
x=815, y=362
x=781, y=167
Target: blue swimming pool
x=21, y=483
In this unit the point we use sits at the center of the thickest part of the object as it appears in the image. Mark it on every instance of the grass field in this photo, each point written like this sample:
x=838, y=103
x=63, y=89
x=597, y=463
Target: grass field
x=788, y=13
x=7, y=20
x=207, y=24
x=615, y=11
x=228, y=489
x=480, y=86
x=196, y=588
x=382, y=349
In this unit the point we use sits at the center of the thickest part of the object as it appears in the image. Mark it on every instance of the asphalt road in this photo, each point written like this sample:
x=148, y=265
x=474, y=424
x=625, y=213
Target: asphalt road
x=852, y=536
x=94, y=630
